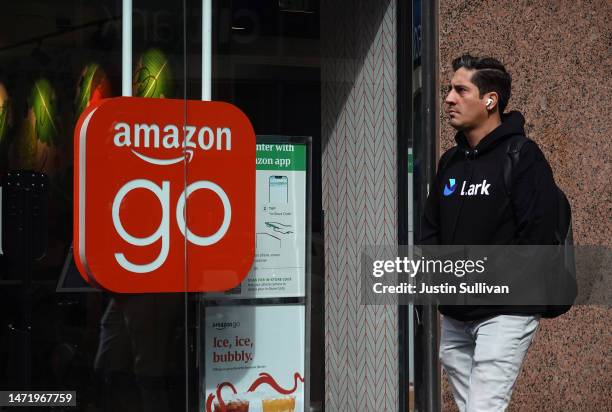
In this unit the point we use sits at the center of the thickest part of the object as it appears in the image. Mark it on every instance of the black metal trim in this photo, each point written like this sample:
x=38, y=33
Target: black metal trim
x=427, y=381
x=404, y=115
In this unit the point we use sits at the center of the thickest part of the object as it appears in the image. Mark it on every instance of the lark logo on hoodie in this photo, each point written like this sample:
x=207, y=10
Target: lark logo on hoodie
x=449, y=188
x=471, y=190
x=477, y=189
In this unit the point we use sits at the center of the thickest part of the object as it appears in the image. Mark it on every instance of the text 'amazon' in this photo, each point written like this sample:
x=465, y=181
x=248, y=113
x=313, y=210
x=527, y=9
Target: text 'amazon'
x=143, y=135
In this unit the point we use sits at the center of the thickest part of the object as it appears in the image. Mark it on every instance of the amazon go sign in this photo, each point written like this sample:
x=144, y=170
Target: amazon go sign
x=164, y=195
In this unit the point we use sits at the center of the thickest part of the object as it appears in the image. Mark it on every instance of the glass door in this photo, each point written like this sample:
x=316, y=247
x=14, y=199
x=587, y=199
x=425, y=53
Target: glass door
x=100, y=346
x=256, y=341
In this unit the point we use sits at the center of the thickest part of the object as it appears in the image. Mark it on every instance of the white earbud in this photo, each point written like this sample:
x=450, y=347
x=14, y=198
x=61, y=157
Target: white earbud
x=489, y=102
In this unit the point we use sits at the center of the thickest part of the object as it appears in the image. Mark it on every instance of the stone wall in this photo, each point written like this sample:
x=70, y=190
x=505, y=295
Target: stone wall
x=558, y=53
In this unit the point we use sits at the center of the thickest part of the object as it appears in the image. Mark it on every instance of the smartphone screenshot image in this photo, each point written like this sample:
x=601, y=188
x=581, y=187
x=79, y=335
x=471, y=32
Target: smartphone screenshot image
x=278, y=189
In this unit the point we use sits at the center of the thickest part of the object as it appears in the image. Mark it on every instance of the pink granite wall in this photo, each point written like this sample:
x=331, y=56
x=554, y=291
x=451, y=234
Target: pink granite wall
x=559, y=54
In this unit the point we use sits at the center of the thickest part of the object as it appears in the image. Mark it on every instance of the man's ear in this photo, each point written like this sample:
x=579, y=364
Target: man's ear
x=491, y=100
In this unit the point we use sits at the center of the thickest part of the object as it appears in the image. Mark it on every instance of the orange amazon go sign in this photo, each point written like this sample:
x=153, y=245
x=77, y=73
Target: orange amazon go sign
x=164, y=195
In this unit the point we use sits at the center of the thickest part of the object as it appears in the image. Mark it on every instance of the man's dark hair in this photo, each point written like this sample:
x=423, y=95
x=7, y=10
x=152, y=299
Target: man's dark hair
x=489, y=76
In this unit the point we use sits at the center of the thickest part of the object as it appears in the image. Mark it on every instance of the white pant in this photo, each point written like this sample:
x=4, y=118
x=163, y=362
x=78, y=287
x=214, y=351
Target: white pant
x=483, y=359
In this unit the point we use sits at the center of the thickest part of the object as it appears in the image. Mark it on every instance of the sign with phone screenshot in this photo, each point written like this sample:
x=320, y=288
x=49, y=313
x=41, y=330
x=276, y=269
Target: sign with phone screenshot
x=164, y=195
x=279, y=266
x=254, y=358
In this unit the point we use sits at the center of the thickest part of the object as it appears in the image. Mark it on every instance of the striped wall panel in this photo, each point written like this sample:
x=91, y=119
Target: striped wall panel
x=358, y=48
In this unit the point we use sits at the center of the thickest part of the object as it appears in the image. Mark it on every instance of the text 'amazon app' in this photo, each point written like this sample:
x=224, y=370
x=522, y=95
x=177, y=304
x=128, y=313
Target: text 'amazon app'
x=164, y=195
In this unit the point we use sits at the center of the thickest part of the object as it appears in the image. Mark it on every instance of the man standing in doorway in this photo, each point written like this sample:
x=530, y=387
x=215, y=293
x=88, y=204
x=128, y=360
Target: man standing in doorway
x=482, y=347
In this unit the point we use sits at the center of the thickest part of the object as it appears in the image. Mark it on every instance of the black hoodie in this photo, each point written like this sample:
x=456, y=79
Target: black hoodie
x=469, y=205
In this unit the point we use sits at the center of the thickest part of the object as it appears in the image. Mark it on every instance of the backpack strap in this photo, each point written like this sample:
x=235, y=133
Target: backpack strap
x=513, y=152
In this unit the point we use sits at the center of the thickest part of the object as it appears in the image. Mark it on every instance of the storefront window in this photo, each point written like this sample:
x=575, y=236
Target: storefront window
x=160, y=351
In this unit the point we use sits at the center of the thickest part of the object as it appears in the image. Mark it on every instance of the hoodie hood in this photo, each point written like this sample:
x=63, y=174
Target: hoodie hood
x=512, y=123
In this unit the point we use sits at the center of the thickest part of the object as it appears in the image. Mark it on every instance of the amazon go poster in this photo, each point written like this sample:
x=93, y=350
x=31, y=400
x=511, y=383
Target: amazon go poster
x=254, y=358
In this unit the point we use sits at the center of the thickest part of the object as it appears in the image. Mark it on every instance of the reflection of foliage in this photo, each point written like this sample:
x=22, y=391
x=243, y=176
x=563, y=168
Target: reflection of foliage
x=5, y=113
x=82, y=99
x=4, y=109
x=26, y=146
x=152, y=77
x=93, y=86
x=42, y=100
